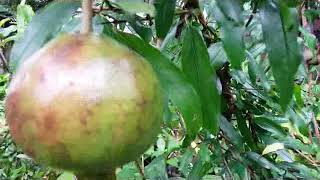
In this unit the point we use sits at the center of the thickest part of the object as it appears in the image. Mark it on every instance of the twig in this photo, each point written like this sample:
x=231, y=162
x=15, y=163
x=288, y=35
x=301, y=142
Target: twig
x=316, y=127
x=4, y=61
x=313, y=163
x=141, y=170
x=87, y=16
x=229, y=171
x=255, y=7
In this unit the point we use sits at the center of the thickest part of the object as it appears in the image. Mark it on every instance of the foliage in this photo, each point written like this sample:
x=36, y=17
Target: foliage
x=242, y=103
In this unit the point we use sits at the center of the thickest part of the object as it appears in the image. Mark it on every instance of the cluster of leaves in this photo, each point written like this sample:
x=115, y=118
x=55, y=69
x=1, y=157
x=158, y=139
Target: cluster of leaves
x=241, y=103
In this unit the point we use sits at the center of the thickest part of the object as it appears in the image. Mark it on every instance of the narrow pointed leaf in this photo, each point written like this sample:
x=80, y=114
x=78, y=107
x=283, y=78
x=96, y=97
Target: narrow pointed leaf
x=229, y=17
x=245, y=131
x=196, y=65
x=164, y=16
x=231, y=133
x=280, y=30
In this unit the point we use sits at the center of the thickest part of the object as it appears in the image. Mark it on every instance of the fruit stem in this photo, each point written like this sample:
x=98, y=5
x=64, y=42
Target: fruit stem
x=87, y=14
x=110, y=176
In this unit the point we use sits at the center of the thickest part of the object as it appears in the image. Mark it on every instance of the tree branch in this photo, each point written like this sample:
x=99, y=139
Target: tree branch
x=87, y=14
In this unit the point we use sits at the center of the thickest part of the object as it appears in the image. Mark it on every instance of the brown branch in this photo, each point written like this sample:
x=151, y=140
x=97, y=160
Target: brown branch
x=87, y=14
x=313, y=162
x=4, y=61
x=228, y=169
x=316, y=127
x=141, y=170
x=225, y=78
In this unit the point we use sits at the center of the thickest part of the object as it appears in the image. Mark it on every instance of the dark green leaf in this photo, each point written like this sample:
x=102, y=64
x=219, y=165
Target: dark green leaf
x=299, y=121
x=245, y=131
x=258, y=71
x=217, y=55
x=229, y=16
x=228, y=129
x=136, y=7
x=142, y=30
x=43, y=27
x=269, y=125
x=157, y=169
x=196, y=65
x=305, y=172
x=263, y=162
x=164, y=16
x=202, y=165
x=129, y=171
x=280, y=30
x=185, y=162
x=296, y=144
x=174, y=83
x=239, y=169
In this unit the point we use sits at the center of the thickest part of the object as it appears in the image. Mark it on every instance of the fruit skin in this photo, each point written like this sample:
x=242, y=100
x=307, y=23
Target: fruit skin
x=85, y=104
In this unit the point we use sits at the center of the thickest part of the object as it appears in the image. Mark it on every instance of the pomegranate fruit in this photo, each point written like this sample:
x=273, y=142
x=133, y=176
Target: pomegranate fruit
x=84, y=103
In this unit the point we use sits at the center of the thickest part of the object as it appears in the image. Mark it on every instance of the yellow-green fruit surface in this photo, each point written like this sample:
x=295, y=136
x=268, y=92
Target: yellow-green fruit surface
x=85, y=104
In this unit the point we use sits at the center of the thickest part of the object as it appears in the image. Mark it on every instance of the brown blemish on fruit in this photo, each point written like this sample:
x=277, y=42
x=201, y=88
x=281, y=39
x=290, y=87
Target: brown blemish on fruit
x=143, y=102
x=83, y=120
x=12, y=115
x=87, y=132
x=42, y=76
x=89, y=112
x=48, y=129
x=68, y=52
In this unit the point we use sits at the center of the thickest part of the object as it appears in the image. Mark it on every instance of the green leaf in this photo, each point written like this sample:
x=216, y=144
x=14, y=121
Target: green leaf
x=157, y=169
x=228, y=129
x=5, y=32
x=196, y=65
x=43, y=27
x=299, y=121
x=24, y=16
x=309, y=38
x=202, y=165
x=185, y=162
x=177, y=88
x=129, y=172
x=136, y=7
x=298, y=97
x=239, y=169
x=258, y=71
x=280, y=30
x=263, y=162
x=229, y=16
x=269, y=125
x=66, y=176
x=143, y=31
x=272, y=148
x=164, y=16
x=296, y=144
x=304, y=171
x=218, y=56
x=245, y=131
